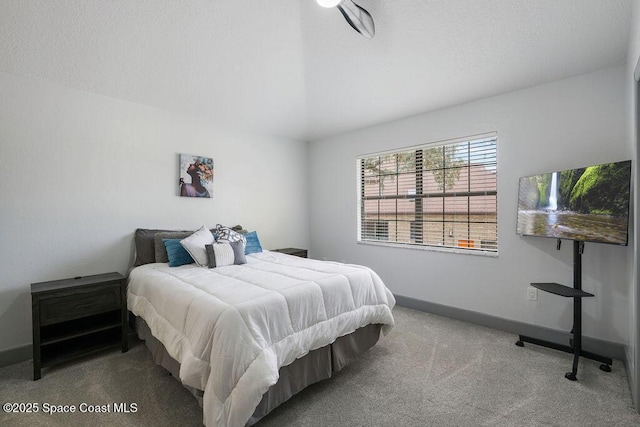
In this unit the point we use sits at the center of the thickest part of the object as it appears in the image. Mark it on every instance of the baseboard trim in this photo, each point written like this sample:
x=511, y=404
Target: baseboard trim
x=604, y=348
x=15, y=355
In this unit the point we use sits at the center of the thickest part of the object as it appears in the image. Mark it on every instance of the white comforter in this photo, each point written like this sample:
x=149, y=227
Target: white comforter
x=232, y=328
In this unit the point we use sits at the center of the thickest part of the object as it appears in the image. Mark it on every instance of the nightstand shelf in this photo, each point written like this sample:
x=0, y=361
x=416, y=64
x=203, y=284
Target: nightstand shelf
x=70, y=330
x=303, y=253
x=84, y=345
x=76, y=317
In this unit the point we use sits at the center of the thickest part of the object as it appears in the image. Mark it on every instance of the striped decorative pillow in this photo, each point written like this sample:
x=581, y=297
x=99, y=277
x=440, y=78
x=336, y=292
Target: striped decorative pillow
x=238, y=253
x=220, y=254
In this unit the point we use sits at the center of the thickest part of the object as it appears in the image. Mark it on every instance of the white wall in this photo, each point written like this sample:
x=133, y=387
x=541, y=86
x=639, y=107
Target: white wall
x=80, y=172
x=633, y=56
x=562, y=125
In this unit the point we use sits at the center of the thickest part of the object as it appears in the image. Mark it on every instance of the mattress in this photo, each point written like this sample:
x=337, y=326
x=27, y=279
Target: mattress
x=232, y=328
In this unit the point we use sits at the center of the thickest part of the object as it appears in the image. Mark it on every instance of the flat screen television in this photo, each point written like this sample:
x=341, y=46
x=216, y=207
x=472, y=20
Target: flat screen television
x=589, y=204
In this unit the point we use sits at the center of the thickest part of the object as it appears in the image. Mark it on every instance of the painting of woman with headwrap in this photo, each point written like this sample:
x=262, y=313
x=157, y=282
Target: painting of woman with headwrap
x=196, y=176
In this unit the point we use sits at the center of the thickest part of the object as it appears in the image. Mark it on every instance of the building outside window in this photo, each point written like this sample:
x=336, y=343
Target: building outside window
x=440, y=196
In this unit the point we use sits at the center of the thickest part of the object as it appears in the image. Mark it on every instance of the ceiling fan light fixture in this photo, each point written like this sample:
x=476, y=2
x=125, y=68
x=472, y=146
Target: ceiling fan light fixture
x=359, y=19
x=328, y=3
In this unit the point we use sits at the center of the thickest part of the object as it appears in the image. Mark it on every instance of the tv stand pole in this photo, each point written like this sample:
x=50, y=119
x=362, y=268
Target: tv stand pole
x=575, y=344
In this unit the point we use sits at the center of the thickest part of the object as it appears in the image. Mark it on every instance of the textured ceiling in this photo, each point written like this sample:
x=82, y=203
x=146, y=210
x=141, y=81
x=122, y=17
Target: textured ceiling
x=291, y=68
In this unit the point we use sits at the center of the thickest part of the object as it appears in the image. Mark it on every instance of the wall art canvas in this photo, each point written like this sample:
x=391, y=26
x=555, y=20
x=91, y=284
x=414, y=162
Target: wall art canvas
x=196, y=176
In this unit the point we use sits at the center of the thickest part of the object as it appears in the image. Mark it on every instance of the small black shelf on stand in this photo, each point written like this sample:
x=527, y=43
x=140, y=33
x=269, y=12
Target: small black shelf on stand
x=575, y=292
x=562, y=290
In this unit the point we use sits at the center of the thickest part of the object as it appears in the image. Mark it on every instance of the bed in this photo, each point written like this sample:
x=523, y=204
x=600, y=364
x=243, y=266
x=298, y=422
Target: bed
x=245, y=338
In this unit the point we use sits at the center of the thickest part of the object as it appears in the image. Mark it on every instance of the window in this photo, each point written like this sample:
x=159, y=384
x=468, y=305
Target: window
x=441, y=195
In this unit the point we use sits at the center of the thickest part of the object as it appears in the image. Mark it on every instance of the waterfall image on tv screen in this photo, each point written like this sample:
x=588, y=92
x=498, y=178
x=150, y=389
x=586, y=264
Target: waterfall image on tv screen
x=589, y=204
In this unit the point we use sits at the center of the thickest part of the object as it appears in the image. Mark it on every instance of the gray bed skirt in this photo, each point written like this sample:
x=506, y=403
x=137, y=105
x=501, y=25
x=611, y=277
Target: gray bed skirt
x=316, y=366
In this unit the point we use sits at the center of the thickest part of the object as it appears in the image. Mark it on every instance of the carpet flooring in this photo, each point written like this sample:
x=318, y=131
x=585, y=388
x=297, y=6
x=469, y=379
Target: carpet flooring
x=428, y=371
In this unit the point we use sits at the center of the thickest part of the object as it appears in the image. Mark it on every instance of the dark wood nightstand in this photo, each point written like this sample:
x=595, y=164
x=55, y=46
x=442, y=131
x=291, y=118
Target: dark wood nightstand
x=293, y=251
x=75, y=317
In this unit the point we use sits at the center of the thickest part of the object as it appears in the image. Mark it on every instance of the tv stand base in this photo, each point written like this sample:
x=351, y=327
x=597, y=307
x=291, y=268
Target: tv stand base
x=577, y=294
x=606, y=361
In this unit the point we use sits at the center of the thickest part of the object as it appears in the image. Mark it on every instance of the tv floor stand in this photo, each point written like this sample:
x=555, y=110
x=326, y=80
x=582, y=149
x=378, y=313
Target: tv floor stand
x=575, y=344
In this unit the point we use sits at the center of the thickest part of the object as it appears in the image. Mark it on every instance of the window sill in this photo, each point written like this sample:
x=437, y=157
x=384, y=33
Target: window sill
x=477, y=252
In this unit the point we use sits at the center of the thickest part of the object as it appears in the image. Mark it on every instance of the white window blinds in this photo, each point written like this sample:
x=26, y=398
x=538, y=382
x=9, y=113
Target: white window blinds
x=436, y=195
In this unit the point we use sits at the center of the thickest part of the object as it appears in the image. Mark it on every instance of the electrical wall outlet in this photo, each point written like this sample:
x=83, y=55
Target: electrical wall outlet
x=532, y=293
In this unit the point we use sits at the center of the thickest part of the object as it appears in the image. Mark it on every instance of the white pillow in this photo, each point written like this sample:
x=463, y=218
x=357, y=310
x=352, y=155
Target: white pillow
x=195, y=245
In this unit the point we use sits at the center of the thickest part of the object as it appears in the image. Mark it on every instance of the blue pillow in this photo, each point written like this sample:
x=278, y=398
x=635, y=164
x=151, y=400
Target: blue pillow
x=253, y=244
x=176, y=253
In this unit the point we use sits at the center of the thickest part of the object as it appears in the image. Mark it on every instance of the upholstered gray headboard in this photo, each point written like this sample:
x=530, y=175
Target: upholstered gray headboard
x=145, y=244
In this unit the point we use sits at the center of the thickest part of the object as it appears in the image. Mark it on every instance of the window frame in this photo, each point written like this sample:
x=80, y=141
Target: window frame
x=420, y=194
